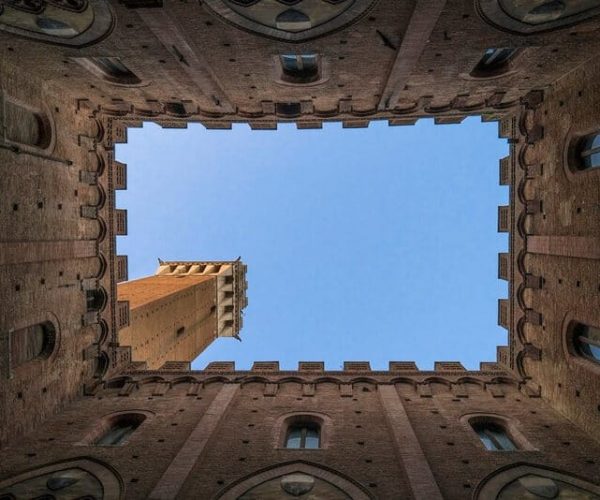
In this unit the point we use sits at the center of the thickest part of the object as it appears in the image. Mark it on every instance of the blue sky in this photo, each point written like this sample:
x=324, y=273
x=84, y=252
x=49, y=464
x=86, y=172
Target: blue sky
x=372, y=244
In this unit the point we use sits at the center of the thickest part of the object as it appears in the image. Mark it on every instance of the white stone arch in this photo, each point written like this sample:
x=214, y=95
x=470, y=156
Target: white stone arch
x=111, y=483
x=491, y=487
x=347, y=486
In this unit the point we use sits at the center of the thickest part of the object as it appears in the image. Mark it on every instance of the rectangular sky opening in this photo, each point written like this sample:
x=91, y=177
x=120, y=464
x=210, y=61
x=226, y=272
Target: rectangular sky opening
x=362, y=244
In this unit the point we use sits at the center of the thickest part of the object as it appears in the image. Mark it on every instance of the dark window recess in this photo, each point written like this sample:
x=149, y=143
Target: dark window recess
x=494, y=62
x=181, y=330
x=142, y=4
x=300, y=68
x=587, y=341
x=113, y=70
x=588, y=155
x=175, y=108
x=24, y=126
x=32, y=342
x=102, y=364
x=305, y=436
x=95, y=300
x=288, y=109
x=494, y=436
x=120, y=429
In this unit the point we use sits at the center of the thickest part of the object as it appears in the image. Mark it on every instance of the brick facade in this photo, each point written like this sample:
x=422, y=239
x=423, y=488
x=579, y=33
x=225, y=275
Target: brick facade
x=218, y=433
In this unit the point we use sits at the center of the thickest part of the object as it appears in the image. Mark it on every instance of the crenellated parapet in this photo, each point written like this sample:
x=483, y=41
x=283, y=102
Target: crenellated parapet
x=231, y=298
x=448, y=378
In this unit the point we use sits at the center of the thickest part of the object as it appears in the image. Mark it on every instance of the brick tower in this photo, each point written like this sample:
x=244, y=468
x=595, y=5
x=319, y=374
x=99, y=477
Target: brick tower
x=175, y=314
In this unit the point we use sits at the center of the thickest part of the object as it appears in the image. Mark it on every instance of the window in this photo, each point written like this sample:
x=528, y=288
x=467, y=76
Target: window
x=303, y=436
x=495, y=62
x=110, y=69
x=587, y=341
x=300, y=69
x=32, y=342
x=588, y=152
x=95, y=299
x=120, y=429
x=493, y=436
x=26, y=126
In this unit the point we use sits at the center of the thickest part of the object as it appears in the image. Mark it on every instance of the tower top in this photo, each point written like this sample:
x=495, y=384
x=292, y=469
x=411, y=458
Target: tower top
x=231, y=288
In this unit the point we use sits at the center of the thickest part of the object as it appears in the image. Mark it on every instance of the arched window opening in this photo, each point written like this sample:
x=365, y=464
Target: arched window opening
x=120, y=429
x=32, y=342
x=25, y=126
x=300, y=68
x=110, y=69
x=305, y=435
x=587, y=152
x=102, y=364
x=494, y=62
x=494, y=436
x=95, y=299
x=586, y=340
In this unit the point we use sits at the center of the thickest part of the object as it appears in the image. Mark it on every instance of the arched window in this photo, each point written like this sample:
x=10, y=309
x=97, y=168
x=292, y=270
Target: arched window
x=586, y=340
x=493, y=435
x=303, y=436
x=587, y=152
x=110, y=69
x=119, y=429
x=299, y=68
x=25, y=126
x=95, y=299
x=32, y=342
x=494, y=62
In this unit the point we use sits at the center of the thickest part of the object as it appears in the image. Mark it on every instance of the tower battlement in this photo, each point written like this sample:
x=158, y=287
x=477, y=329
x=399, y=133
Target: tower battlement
x=231, y=298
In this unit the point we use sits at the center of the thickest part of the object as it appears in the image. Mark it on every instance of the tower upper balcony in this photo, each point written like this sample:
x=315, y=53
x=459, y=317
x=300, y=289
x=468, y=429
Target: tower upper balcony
x=231, y=288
